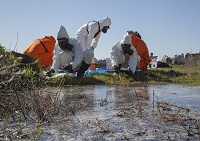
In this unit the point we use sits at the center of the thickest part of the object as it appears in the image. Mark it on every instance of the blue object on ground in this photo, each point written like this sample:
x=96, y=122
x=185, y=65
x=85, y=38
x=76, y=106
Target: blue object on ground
x=101, y=71
x=138, y=70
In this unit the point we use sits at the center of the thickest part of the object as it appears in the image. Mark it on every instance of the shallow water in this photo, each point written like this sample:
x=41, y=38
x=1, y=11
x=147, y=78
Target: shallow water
x=114, y=112
x=106, y=112
x=182, y=95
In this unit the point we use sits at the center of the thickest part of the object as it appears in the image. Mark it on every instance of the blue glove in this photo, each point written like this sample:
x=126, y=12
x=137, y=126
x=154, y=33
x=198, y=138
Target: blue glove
x=92, y=48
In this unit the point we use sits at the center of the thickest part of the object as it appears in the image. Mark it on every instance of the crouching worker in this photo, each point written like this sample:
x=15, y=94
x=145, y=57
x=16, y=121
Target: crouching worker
x=42, y=50
x=68, y=53
x=123, y=54
x=88, y=36
x=142, y=50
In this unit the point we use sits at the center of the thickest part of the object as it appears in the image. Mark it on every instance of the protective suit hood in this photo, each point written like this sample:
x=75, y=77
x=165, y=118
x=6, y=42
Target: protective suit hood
x=126, y=39
x=105, y=22
x=62, y=33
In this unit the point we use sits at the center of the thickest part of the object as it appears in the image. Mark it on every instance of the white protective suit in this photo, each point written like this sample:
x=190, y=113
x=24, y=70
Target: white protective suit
x=86, y=39
x=63, y=57
x=118, y=56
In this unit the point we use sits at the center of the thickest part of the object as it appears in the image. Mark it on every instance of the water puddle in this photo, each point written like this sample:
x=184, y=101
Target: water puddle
x=114, y=112
x=182, y=95
x=124, y=113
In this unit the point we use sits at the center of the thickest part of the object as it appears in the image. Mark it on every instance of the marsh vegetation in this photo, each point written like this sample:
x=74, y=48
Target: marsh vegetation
x=30, y=103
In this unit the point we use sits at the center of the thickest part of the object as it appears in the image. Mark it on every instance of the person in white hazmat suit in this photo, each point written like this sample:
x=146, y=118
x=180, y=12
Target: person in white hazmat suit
x=88, y=36
x=123, y=54
x=68, y=53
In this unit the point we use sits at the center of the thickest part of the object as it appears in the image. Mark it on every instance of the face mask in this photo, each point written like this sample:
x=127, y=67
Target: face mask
x=105, y=28
x=125, y=47
x=69, y=47
x=65, y=46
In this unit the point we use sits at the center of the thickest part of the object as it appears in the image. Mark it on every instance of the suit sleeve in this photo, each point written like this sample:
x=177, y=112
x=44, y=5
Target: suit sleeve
x=78, y=55
x=114, y=55
x=133, y=60
x=91, y=41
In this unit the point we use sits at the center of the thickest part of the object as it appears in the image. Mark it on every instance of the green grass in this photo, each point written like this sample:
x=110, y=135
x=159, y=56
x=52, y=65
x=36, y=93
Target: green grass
x=191, y=75
x=185, y=74
x=176, y=74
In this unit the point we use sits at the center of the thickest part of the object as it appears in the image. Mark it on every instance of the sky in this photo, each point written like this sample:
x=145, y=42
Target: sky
x=168, y=27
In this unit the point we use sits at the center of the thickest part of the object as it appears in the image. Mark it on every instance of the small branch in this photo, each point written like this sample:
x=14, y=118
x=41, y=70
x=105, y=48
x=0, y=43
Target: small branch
x=16, y=42
x=4, y=82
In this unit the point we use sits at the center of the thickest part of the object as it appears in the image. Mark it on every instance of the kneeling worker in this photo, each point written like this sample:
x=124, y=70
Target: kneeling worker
x=68, y=55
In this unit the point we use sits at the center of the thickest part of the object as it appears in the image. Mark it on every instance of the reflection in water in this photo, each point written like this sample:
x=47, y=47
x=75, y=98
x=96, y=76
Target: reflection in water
x=103, y=100
x=183, y=95
x=106, y=112
x=107, y=99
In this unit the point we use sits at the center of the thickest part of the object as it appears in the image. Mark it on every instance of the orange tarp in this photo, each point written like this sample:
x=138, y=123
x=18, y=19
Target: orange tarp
x=37, y=50
x=142, y=51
